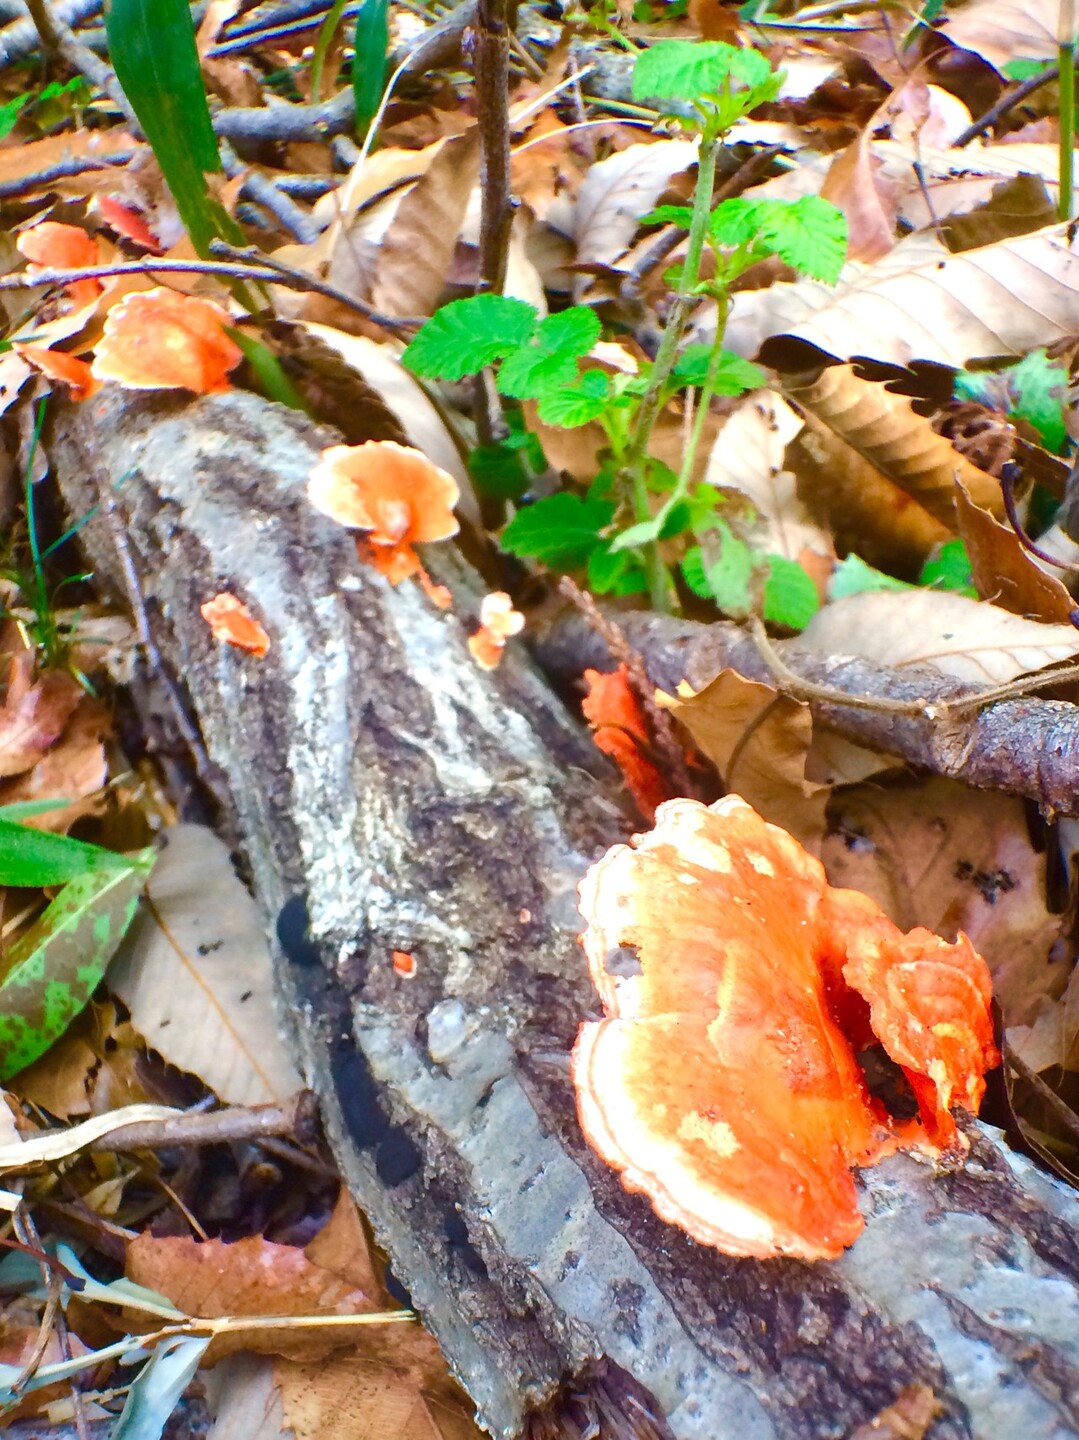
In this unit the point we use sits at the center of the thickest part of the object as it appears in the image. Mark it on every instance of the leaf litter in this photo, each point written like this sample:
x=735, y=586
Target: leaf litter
x=849, y=464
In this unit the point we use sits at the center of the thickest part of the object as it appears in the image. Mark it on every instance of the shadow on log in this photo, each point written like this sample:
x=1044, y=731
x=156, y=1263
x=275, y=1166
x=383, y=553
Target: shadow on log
x=390, y=796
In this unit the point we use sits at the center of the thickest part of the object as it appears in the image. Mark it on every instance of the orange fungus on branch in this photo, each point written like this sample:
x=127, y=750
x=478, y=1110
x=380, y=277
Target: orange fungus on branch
x=163, y=340
x=393, y=494
x=59, y=365
x=498, y=622
x=230, y=620
x=53, y=246
x=620, y=729
x=723, y=1081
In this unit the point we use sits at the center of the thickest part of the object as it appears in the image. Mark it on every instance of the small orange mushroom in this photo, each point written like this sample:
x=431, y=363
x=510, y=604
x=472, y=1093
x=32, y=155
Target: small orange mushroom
x=53, y=246
x=230, y=621
x=498, y=622
x=396, y=496
x=723, y=1082
x=163, y=340
x=59, y=365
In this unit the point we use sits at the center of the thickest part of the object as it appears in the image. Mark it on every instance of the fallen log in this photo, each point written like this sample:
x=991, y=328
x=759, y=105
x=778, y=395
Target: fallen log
x=388, y=796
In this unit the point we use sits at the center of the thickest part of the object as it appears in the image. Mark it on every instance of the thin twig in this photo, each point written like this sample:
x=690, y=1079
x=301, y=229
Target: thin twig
x=26, y=1233
x=1004, y=105
x=1060, y=1108
x=63, y=170
x=216, y=1127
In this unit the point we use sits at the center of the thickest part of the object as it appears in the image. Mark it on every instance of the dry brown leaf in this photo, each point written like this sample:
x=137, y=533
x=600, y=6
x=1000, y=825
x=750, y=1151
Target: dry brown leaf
x=253, y=1276
x=885, y=429
x=244, y=1400
x=921, y=302
x=941, y=855
x=866, y=196
x=33, y=719
x=758, y=741
x=342, y=1247
x=1013, y=207
x=1052, y=1037
x=349, y=1398
x=748, y=456
x=34, y=157
x=618, y=191
x=97, y=1065
x=195, y=971
x=864, y=510
x=1003, y=30
x=74, y=769
x=417, y=250
x=1004, y=572
x=967, y=639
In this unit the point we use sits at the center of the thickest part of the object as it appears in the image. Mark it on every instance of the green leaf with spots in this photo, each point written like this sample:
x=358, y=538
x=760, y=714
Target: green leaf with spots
x=55, y=967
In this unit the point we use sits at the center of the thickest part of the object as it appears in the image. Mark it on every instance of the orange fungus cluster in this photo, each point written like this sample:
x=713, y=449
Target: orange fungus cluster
x=231, y=622
x=162, y=340
x=723, y=1081
x=499, y=621
x=620, y=729
x=395, y=496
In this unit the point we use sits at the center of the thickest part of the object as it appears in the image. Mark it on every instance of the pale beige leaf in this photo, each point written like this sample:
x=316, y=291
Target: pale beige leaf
x=1052, y=1037
x=619, y=191
x=920, y=302
x=196, y=973
x=967, y=639
x=748, y=456
x=1003, y=30
x=901, y=444
x=417, y=250
x=939, y=854
x=244, y=1400
x=758, y=741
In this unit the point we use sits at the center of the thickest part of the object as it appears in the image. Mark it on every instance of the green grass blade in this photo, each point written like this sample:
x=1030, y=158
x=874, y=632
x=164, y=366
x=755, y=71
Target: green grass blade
x=370, y=45
x=35, y=857
x=56, y=966
x=152, y=48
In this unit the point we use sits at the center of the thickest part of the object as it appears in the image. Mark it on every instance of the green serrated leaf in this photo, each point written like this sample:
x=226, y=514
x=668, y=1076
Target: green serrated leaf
x=560, y=531
x=852, y=576
x=949, y=569
x=726, y=580
x=370, y=45
x=735, y=375
x=576, y=404
x=55, y=967
x=9, y=114
x=550, y=360
x=809, y=234
x=152, y=49
x=467, y=335
x=31, y=857
x=681, y=215
x=790, y=597
x=615, y=574
x=690, y=69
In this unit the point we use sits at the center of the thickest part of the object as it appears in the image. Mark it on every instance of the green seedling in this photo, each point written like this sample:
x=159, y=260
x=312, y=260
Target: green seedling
x=636, y=504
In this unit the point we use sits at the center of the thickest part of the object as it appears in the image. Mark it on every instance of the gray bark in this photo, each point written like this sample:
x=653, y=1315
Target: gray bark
x=400, y=798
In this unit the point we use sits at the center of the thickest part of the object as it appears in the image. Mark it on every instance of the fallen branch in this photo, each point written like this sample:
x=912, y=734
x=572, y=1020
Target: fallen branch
x=1026, y=747
x=391, y=796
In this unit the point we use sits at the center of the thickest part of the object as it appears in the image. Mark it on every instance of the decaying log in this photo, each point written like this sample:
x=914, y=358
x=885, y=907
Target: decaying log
x=401, y=799
x=1027, y=746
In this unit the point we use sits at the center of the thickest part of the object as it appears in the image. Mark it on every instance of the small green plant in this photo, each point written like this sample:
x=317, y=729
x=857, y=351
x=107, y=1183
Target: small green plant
x=636, y=504
x=1035, y=389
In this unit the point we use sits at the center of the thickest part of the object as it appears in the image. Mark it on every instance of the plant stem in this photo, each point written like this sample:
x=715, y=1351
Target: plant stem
x=708, y=390
x=1066, y=52
x=652, y=400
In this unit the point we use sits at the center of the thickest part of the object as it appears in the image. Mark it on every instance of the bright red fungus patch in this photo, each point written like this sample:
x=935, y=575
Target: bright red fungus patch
x=723, y=1082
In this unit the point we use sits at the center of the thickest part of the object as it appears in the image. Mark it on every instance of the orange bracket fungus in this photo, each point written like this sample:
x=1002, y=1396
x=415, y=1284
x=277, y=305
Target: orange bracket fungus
x=396, y=496
x=723, y=1082
x=499, y=621
x=163, y=340
x=620, y=729
x=231, y=622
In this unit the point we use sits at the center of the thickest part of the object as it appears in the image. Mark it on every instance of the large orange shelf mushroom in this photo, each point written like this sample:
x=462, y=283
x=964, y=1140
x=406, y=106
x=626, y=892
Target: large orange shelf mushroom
x=723, y=1082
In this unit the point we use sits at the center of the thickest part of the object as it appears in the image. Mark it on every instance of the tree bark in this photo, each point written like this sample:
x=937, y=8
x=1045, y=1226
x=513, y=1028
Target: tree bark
x=391, y=796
